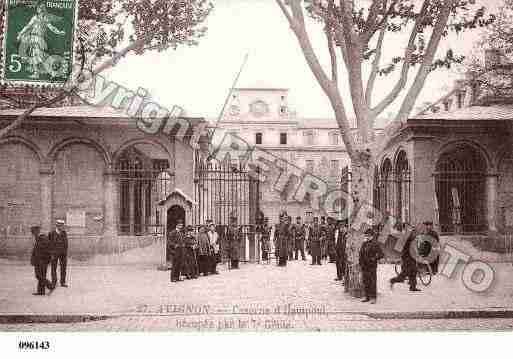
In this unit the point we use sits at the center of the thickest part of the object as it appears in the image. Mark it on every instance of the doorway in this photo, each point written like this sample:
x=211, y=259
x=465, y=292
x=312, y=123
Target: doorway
x=174, y=214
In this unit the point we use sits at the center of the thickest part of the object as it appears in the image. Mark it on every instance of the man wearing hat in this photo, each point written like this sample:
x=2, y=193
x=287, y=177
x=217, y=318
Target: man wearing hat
x=408, y=263
x=40, y=259
x=299, y=234
x=340, y=249
x=176, y=243
x=330, y=239
x=370, y=254
x=315, y=236
x=265, y=239
x=213, y=238
x=282, y=239
x=58, y=240
x=234, y=238
x=290, y=239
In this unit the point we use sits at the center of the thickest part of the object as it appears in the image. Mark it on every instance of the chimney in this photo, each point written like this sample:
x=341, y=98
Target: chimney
x=492, y=58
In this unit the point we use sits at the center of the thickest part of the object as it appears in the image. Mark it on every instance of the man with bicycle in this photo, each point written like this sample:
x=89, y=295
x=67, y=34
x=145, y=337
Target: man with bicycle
x=409, y=262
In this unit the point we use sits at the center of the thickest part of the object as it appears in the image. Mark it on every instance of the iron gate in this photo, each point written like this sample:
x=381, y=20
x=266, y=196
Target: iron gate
x=223, y=189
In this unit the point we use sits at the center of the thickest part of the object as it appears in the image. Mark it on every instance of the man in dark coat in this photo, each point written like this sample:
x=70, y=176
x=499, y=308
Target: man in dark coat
x=205, y=252
x=234, y=239
x=370, y=254
x=190, y=259
x=299, y=234
x=58, y=240
x=265, y=239
x=324, y=230
x=40, y=259
x=290, y=240
x=408, y=263
x=340, y=250
x=176, y=243
x=330, y=239
x=282, y=240
x=315, y=237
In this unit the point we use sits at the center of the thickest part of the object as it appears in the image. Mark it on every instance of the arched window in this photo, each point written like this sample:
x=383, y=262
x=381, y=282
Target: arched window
x=387, y=188
x=460, y=190
x=402, y=211
x=143, y=182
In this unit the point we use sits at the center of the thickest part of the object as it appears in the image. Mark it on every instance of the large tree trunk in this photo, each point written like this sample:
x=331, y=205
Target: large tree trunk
x=361, y=192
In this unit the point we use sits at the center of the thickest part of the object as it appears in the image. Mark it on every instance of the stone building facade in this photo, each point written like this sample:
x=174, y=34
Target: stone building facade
x=264, y=118
x=93, y=168
x=452, y=163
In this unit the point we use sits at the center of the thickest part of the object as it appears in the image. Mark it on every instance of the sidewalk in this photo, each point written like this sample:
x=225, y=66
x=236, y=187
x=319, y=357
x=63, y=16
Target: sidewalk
x=142, y=290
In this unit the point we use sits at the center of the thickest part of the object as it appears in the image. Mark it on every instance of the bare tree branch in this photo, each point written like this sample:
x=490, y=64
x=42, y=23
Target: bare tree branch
x=292, y=22
x=434, y=41
x=326, y=84
x=375, y=66
x=403, y=79
x=354, y=52
x=331, y=48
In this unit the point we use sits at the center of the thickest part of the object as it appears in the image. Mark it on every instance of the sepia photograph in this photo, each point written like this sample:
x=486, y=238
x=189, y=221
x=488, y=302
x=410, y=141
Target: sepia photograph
x=255, y=166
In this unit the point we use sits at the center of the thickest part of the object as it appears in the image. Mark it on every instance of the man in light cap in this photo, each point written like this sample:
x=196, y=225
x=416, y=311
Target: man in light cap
x=370, y=254
x=58, y=240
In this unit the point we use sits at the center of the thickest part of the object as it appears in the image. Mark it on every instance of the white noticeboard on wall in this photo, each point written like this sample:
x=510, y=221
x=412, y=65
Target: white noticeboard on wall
x=75, y=218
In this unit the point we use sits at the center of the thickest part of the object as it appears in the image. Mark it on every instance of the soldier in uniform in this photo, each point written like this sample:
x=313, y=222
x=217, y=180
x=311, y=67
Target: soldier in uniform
x=315, y=237
x=234, y=238
x=340, y=250
x=330, y=239
x=265, y=239
x=40, y=259
x=299, y=234
x=58, y=240
x=370, y=254
x=282, y=239
x=290, y=240
x=324, y=231
x=176, y=242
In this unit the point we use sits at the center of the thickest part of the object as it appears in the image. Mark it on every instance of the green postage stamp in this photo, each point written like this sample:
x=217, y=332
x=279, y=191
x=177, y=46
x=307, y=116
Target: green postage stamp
x=38, y=43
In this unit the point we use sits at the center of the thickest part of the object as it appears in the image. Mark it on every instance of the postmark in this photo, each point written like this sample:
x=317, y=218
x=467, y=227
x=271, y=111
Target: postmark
x=39, y=42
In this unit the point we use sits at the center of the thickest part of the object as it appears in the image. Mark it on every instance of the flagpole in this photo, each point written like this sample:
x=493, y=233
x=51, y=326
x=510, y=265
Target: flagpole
x=228, y=97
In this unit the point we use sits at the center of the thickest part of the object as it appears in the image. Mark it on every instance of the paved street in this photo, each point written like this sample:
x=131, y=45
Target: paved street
x=256, y=297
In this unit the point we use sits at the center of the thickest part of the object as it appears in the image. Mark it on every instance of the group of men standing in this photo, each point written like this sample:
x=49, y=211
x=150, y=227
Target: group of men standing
x=323, y=240
x=51, y=248
x=193, y=253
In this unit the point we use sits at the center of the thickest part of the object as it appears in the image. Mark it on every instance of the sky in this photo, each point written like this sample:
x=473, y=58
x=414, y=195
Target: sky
x=199, y=78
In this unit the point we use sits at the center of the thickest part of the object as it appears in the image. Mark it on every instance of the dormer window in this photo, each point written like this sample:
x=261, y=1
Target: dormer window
x=446, y=106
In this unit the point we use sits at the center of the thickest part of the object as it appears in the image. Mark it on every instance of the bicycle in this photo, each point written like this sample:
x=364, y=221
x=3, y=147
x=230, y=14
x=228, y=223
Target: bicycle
x=424, y=272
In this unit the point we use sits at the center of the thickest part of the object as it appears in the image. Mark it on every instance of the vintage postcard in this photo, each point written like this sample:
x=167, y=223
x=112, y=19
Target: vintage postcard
x=256, y=166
